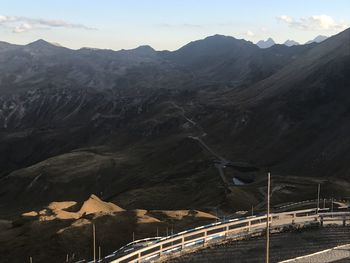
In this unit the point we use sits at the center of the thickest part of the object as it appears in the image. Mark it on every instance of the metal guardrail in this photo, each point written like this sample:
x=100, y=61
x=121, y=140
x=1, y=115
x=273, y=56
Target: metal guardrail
x=233, y=228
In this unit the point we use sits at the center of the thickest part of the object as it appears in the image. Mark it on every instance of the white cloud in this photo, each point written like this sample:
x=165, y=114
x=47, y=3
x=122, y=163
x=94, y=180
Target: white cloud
x=314, y=23
x=184, y=25
x=22, y=28
x=249, y=33
x=286, y=19
x=21, y=24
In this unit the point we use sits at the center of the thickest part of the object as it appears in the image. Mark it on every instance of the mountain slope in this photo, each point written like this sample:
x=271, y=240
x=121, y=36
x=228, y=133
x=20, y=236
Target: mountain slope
x=138, y=114
x=304, y=108
x=222, y=59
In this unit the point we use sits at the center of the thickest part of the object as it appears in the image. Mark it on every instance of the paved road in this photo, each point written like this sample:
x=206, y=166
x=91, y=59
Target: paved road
x=283, y=246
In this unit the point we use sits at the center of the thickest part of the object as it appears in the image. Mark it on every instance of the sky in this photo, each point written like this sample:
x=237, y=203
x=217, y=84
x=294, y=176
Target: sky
x=167, y=24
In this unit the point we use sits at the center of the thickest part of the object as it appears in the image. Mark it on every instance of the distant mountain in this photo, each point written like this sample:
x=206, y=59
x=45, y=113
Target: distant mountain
x=221, y=58
x=290, y=43
x=317, y=39
x=266, y=43
x=4, y=46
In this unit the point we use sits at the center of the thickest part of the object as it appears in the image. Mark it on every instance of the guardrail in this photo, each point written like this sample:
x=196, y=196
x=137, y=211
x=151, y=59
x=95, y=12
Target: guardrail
x=233, y=228
x=307, y=202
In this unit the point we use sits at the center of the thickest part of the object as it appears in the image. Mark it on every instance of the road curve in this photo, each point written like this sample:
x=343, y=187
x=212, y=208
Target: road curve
x=147, y=250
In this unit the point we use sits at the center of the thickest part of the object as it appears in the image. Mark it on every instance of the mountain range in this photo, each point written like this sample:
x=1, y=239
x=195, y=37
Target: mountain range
x=270, y=42
x=146, y=129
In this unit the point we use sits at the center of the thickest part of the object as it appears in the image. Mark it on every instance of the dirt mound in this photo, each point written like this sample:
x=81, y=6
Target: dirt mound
x=61, y=205
x=95, y=205
x=143, y=218
x=57, y=210
x=180, y=214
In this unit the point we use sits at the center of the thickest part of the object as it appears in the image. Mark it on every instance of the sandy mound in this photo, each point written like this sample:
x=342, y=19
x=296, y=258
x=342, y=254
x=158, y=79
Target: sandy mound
x=57, y=210
x=61, y=205
x=142, y=218
x=180, y=214
x=30, y=214
x=95, y=205
x=200, y=214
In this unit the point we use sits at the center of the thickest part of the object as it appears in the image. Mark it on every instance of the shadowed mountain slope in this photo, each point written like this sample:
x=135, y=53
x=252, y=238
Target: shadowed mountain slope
x=122, y=123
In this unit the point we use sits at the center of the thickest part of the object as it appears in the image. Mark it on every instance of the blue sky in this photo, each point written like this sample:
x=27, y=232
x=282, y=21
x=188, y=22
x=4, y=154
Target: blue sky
x=167, y=24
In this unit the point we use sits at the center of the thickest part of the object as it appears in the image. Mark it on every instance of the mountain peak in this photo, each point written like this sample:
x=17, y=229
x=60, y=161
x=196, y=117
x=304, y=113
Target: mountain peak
x=290, y=43
x=266, y=44
x=145, y=48
x=41, y=43
x=317, y=39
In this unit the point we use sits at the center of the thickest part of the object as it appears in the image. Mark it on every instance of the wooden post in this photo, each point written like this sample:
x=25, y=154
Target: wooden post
x=30, y=259
x=267, y=220
x=318, y=198
x=94, y=241
x=332, y=206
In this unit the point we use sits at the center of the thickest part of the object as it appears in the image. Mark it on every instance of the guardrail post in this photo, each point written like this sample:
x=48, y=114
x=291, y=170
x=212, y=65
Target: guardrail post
x=139, y=258
x=249, y=225
x=182, y=243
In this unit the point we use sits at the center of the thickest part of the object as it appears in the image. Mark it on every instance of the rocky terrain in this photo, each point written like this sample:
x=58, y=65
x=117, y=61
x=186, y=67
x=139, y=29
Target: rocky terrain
x=120, y=125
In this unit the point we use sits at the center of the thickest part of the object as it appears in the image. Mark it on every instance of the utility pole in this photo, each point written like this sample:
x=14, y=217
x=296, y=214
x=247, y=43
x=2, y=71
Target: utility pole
x=157, y=232
x=332, y=206
x=133, y=236
x=94, y=240
x=267, y=220
x=318, y=198
x=252, y=210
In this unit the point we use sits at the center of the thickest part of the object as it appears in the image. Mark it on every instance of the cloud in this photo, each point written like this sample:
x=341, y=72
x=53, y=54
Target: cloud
x=184, y=25
x=20, y=24
x=249, y=33
x=314, y=23
x=23, y=28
